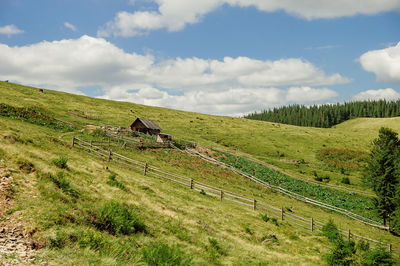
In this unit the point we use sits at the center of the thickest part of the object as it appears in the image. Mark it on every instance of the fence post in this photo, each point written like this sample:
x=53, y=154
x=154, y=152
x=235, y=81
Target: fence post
x=348, y=235
x=312, y=224
x=254, y=172
x=390, y=247
x=221, y=195
x=282, y=213
x=91, y=143
x=145, y=169
x=109, y=155
x=191, y=183
x=73, y=141
x=254, y=205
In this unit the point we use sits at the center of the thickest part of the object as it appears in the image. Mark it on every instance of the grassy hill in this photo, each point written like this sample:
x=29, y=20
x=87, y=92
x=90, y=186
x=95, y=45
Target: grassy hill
x=66, y=210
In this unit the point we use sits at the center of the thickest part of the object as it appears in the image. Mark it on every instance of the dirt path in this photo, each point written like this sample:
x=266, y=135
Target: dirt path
x=16, y=247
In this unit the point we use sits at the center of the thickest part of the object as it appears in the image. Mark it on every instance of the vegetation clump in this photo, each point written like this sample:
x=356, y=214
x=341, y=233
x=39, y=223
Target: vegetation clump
x=118, y=218
x=112, y=181
x=60, y=162
x=25, y=166
x=61, y=181
x=34, y=115
x=158, y=253
x=348, y=253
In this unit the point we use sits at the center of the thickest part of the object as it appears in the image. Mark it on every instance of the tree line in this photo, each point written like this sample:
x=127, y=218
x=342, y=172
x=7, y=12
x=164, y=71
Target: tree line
x=327, y=115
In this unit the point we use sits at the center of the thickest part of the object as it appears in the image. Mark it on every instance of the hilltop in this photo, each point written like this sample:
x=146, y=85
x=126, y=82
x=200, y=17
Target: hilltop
x=62, y=206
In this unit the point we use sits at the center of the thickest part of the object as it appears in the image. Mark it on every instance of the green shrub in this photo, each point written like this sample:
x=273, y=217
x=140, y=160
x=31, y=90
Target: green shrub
x=61, y=181
x=112, y=181
x=378, y=256
x=345, y=180
x=58, y=242
x=275, y=221
x=118, y=218
x=34, y=115
x=248, y=230
x=331, y=231
x=60, y=162
x=214, y=249
x=93, y=240
x=25, y=166
x=159, y=253
x=265, y=218
x=341, y=253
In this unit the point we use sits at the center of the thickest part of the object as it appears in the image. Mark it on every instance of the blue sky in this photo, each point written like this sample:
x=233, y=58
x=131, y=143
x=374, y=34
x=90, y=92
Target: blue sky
x=227, y=57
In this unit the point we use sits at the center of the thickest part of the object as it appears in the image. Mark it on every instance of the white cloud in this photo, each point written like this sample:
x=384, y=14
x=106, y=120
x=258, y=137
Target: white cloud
x=10, y=30
x=382, y=94
x=174, y=15
x=228, y=86
x=384, y=63
x=70, y=26
x=307, y=94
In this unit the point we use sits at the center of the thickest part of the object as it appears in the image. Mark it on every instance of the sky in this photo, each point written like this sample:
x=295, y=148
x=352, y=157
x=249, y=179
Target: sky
x=222, y=57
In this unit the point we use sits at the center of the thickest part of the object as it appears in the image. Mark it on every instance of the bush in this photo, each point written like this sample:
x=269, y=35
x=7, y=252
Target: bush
x=62, y=183
x=214, y=249
x=377, y=256
x=342, y=253
x=93, y=240
x=25, y=166
x=60, y=162
x=112, y=181
x=58, y=242
x=158, y=253
x=117, y=218
x=275, y=221
x=345, y=180
x=265, y=218
x=331, y=231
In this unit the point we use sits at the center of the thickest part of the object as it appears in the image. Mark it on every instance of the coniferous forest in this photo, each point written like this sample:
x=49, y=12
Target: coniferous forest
x=327, y=115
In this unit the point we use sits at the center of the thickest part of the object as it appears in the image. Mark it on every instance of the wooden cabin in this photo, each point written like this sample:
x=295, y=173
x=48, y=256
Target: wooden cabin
x=145, y=126
x=162, y=138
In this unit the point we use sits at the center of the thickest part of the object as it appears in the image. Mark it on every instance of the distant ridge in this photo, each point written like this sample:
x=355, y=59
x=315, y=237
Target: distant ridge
x=327, y=115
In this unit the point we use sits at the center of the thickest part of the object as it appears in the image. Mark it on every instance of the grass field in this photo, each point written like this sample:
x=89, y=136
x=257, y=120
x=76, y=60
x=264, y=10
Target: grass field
x=64, y=207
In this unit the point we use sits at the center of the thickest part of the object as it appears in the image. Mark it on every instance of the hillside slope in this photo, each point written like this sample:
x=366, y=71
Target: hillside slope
x=61, y=209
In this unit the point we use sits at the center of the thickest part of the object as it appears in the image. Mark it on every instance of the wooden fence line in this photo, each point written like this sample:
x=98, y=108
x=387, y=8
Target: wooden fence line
x=294, y=195
x=309, y=224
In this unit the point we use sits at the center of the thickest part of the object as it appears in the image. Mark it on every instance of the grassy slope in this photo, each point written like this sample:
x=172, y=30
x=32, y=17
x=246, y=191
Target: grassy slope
x=262, y=140
x=164, y=208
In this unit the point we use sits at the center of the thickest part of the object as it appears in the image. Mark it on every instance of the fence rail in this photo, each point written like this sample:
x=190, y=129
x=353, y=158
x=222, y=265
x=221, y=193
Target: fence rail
x=309, y=224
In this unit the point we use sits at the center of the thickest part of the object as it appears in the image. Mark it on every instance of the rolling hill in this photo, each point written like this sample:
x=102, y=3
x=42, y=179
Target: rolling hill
x=65, y=199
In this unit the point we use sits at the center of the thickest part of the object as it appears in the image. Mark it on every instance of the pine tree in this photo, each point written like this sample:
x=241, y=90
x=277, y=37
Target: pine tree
x=381, y=172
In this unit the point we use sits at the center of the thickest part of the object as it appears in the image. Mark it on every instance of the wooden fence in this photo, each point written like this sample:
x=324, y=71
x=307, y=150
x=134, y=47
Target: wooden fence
x=291, y=194
x=309, y=224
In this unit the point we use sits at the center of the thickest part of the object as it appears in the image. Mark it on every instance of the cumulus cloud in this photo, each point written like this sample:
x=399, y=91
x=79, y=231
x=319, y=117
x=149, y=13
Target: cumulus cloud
x=307, y=94
x=10, y=30
x=174, y=15
x=70, y=26
x=384, y=63
x=229, y=86
x=388, y=94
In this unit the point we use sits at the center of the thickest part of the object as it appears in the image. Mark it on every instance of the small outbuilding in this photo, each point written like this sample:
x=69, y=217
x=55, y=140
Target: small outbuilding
x=145, y=126
x=162, y=138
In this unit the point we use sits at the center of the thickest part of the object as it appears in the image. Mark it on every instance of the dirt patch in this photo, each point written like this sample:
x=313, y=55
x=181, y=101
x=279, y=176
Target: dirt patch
x=90, y=128
x=290, y=161
x=16, y=247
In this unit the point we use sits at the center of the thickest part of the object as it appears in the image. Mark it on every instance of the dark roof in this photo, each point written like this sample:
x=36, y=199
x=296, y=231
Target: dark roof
x=150, y=124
